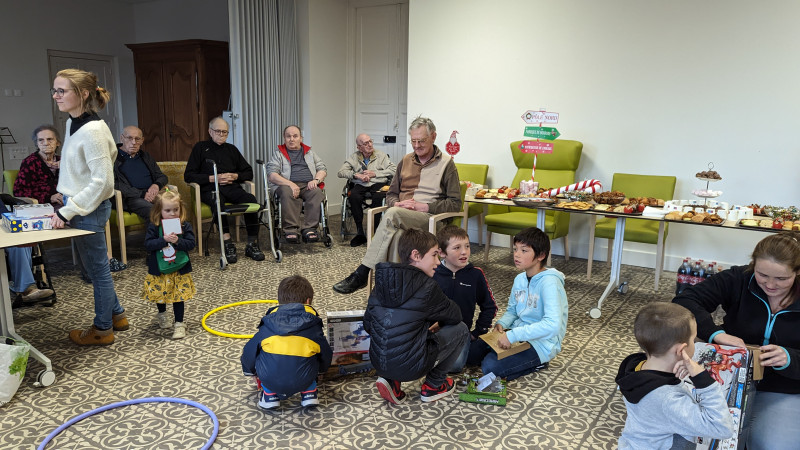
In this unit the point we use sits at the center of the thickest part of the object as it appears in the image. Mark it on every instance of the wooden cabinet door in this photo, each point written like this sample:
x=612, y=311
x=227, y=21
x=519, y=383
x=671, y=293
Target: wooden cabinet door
x=181, y=108
x=150, y=92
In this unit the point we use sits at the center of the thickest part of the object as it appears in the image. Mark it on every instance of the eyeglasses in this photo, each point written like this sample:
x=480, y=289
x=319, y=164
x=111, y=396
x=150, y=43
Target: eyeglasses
x=59, y=92
x=419, y=141
x=219, y=132
x=370, y=142
x=134, y=139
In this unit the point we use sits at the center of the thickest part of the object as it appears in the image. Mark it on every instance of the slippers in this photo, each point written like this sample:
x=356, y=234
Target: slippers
x=292, y=238
x=311, y=236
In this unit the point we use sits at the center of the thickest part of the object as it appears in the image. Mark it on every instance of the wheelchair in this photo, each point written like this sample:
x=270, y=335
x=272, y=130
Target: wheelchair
x=272, y=219
x=348, y=226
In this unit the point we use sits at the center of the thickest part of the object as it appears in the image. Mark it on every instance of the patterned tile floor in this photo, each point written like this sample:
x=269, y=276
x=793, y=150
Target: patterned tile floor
x=572, y=405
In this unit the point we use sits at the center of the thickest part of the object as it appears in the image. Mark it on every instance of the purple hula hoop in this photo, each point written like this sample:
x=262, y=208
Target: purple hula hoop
x=76, y=419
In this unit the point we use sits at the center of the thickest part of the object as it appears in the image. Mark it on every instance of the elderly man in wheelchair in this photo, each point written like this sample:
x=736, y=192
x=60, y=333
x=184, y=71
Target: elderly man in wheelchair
x=297, y=174
x=369, y=172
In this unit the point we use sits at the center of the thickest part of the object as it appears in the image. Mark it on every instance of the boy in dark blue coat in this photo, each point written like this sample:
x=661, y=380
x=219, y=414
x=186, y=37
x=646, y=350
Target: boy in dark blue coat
x=415, y=330
x=468, y=287
x=289, y=350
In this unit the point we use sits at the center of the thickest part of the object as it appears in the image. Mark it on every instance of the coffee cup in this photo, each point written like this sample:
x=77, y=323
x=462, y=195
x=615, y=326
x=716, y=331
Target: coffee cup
x=733, y=214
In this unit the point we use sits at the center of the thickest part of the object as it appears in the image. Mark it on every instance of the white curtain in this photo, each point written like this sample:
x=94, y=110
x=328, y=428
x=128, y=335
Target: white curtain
x=265, y=86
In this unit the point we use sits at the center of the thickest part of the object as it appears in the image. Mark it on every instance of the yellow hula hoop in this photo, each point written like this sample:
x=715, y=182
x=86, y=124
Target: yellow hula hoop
x=231, y=335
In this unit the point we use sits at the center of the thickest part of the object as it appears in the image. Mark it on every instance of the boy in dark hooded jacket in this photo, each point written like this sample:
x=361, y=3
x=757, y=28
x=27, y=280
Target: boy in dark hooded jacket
x=415, y=330
x=289, y=350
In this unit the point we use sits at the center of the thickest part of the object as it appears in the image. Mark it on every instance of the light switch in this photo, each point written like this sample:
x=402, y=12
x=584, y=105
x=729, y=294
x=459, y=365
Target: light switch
x=17, y=92
x=7, y=92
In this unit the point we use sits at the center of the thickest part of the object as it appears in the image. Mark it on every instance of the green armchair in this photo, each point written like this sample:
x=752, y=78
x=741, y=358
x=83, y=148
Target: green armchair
x=552, y=170
x=475, y=173
x=636, y=230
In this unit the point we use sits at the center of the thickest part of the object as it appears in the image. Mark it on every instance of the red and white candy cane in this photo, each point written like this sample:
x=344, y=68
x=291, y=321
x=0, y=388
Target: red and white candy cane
x=533, y=172
x=590, y=186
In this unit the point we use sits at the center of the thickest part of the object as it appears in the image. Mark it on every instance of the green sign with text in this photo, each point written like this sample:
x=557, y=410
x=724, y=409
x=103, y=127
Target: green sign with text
x=548, y=133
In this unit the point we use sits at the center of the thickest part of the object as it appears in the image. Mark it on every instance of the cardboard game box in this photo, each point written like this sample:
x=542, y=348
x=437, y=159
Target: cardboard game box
x=473, y=395
x=732, y=367
x=349, y=341
x=14, y=224
x=491, y=339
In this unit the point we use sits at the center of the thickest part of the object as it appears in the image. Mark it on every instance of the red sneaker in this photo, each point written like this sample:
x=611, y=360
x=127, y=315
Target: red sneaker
x=390, y=390
x=430, y=394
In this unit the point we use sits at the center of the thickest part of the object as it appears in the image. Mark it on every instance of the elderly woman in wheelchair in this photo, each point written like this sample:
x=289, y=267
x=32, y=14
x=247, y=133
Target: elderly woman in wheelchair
x=296, y=175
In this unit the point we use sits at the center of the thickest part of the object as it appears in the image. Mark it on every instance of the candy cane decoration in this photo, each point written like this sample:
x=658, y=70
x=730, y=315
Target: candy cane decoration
x=533, y=172
x=590, y=186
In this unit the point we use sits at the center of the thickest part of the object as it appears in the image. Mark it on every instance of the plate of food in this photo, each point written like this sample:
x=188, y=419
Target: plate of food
x=609, y=197
x=695, y=217
x=579, y=206
x=532, y=201
x=774, y=224
x=631, y=209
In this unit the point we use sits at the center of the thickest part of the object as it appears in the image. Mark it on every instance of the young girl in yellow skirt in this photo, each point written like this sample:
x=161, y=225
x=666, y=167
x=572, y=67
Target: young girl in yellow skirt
x=169, y=277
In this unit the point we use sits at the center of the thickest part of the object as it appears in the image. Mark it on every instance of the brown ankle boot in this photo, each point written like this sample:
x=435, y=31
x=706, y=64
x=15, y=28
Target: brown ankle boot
x=120, y=322
x=92, y=336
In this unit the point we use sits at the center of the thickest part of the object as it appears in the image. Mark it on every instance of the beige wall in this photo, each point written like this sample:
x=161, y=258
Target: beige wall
x=649, y=87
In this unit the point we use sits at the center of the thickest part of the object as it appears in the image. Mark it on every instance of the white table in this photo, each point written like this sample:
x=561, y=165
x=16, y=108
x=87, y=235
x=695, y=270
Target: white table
x=46, y=377
x=619, y=235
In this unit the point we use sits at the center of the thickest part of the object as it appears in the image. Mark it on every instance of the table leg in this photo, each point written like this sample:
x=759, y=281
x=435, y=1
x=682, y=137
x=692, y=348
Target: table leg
x=45, y=377
x=541, y=217
x=616, y=264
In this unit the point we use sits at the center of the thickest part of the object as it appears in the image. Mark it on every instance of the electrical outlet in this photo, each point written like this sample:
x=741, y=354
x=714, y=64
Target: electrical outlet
x=19, y=152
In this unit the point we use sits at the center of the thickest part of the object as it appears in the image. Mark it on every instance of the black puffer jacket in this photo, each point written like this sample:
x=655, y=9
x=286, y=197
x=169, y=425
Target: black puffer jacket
x=401, y=308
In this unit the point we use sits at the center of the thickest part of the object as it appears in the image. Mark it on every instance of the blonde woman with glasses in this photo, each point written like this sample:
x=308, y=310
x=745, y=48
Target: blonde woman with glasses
x=86, y=180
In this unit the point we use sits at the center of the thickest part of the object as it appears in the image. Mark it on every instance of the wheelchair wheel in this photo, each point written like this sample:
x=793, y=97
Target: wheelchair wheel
x=276, y=238
x=278, y=256
x=328, y=241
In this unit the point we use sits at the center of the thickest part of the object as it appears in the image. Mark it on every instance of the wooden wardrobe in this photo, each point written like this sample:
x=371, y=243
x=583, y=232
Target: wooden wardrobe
x=180, y=86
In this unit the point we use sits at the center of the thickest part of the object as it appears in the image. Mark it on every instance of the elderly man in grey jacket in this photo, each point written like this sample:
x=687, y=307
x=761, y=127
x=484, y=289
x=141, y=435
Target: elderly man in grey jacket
x=296, y=174
x=370, y=171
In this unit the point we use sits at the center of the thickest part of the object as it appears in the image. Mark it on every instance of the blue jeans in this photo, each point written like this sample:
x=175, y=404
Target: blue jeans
x=510, y=367
x=20, y=261
x=94, y=255
x=269, y=391
x=773, y=421
x=471, y=354
x=452, y=339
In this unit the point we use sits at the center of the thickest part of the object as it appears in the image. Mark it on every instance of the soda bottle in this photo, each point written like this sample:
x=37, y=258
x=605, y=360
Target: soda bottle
x=710, y=270
x=683, y=276
x=697, y=273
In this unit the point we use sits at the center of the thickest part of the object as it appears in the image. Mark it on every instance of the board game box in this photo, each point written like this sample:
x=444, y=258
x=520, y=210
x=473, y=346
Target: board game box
x=473, y=395
x=349, y=342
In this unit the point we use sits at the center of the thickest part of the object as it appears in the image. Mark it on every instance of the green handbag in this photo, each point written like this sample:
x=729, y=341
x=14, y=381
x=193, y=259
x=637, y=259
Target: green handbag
x=173, y=264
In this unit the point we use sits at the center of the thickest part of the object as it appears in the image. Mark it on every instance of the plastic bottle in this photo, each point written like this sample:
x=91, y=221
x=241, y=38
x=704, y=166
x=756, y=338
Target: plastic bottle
x=683, y=276
x=710, y=270
x=697, y=273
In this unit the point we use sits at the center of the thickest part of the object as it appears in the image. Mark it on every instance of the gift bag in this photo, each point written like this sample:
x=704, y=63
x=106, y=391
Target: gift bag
x=13, y=361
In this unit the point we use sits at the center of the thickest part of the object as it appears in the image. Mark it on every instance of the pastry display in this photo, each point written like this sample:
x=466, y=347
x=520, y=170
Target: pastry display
x=609, y=197
x=708, y=175
x=646, y=201
x=581, y=206
x=691, y=216
x=501, y=193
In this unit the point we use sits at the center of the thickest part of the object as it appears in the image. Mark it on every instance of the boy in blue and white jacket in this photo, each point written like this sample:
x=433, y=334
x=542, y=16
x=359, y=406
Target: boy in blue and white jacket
x=537, y=310
x=289, y=350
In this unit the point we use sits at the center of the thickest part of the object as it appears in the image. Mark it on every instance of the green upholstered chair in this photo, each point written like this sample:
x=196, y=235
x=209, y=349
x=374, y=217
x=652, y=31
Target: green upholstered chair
x=475, y=173
x=10, y=176
x=552, y=170
x=636, y=230
x=125, y=221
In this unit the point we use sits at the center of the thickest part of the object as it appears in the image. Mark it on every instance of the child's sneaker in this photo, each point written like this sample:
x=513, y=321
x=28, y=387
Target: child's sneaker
x=309, y=398
x=179, y=332
x=268, y=401
x=390, y=390
x=163, y=320
x=429, y=393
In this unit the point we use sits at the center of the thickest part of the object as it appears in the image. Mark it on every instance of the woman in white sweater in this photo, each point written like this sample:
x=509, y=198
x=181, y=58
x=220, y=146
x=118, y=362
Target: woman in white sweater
x=87, y=181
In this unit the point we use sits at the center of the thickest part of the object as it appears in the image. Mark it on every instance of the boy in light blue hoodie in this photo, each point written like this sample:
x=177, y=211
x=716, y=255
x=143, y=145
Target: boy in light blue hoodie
x=537, y=310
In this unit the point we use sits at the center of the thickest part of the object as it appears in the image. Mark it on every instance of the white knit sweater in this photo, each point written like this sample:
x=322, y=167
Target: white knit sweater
x=87, y=168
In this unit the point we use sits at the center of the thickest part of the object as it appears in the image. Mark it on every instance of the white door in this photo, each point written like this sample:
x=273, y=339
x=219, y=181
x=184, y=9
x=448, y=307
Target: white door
x=381, y=55
x=101, y=65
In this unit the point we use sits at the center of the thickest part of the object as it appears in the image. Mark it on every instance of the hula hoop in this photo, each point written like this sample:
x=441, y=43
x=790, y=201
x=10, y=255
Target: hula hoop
x=133, y=402
x=229, y=305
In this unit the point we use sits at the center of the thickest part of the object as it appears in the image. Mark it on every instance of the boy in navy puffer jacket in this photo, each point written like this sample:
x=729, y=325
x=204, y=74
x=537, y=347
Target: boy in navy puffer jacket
x=289, y=350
